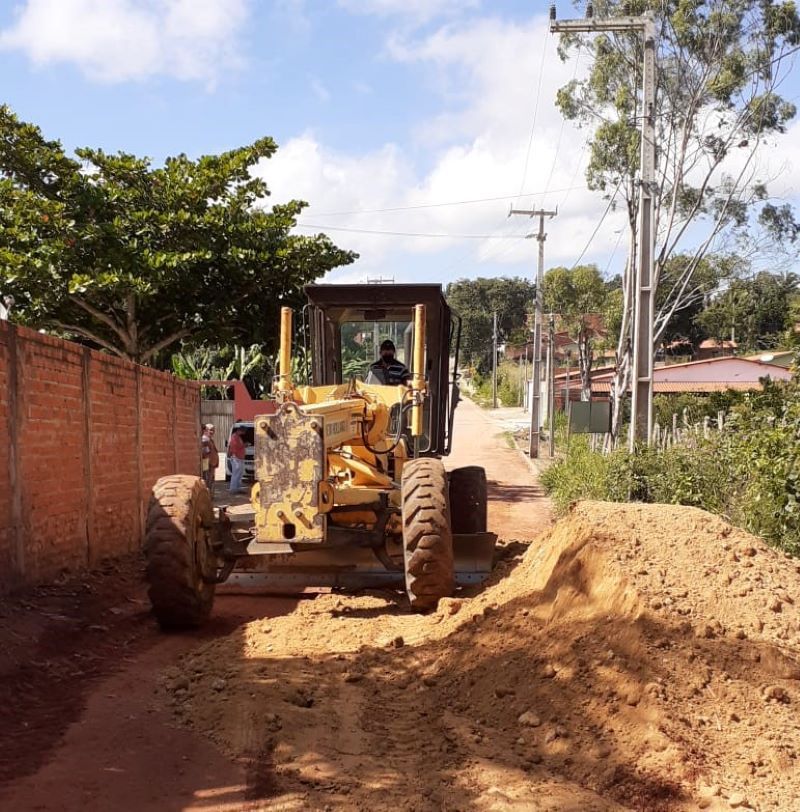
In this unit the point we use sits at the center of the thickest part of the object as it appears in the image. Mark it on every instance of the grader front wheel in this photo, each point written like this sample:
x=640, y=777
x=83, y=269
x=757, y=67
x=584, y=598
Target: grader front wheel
x=427, y=534
x=180, y=561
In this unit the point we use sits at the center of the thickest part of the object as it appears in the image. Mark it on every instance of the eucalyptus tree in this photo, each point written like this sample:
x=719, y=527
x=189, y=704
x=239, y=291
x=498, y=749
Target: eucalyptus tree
x=721, y=66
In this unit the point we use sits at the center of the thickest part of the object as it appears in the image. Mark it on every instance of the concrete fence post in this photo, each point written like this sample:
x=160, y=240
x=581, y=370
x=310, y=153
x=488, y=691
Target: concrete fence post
x=15, y=418
x=88, y=466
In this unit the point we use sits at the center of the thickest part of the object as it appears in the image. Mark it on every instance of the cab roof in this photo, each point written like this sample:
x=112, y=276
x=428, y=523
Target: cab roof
x=365, y=302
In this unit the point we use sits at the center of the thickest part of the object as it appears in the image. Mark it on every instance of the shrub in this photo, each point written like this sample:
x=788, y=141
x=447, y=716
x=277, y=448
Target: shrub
x=583, y=474
x=696, y=407
x=749, y=473
x=508, y=385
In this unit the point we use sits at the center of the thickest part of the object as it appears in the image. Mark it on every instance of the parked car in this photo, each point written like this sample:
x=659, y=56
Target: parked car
x=249, y=451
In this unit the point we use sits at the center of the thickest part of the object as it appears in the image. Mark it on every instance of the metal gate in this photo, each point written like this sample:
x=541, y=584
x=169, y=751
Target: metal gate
x=220, y=413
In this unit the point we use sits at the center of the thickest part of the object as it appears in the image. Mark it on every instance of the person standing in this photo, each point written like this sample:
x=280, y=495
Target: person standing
x=236, y=453
x=210, y=457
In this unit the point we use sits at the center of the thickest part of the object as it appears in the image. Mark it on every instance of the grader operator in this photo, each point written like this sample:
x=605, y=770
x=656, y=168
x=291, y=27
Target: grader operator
x=350, y=491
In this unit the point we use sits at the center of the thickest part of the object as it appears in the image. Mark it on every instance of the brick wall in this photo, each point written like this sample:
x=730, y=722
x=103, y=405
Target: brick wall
x=7, y=536
x=87, y=435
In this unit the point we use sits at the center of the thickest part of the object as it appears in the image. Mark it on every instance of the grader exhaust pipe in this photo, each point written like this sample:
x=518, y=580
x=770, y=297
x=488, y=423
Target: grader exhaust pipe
x=285, y=352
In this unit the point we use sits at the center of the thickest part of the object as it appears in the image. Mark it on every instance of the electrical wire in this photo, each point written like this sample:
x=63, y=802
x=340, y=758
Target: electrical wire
x=437, y=205
x=535, y=113
x=597, y=227
x=558, y=142
x=408, y=233
x=458, y=261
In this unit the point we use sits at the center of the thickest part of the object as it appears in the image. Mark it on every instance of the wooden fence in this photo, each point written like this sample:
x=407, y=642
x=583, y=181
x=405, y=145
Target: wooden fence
x=220, y=413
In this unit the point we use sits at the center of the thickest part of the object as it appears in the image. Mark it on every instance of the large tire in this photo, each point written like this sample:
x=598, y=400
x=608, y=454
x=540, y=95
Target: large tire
x=427, y=537
x=179, y=556
x=468, y=500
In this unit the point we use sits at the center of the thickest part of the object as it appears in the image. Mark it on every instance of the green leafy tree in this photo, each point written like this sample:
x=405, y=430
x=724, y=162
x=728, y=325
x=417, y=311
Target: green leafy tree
x=756, y=311
x=476, y=300
x=579, y=295
x=204, y=363
x=792, y=335
x=131, y=258
x=712, y=271
x=720, y=66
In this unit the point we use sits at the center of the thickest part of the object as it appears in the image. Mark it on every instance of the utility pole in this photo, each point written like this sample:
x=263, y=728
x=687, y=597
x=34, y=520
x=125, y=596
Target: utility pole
x=545, y=406
x=541, y=236
x=551, y=384
x=642, y=386
x=525, y=405
x=494, y=361
x=567, y=391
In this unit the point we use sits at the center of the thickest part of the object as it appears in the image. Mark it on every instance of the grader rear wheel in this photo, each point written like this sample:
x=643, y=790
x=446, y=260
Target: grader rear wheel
x=180, y=561
x=427, y=535
x=468, y=499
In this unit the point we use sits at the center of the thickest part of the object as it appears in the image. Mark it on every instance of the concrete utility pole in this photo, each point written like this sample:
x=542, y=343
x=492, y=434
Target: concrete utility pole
x=537, y=326
x=525, y=405
x=494, y=361
x=567, y=396
x=643, y=317
x=551, y=385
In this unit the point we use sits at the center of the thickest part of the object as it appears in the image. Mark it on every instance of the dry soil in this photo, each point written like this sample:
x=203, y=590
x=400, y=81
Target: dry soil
x=638, y=657
x=628, y=657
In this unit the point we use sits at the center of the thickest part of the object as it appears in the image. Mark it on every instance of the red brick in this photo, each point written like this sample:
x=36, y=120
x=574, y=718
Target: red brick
x=65, y=523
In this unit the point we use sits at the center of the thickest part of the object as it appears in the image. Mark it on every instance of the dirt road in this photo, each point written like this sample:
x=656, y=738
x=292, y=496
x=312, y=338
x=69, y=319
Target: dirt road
x=636, y=657
x=96, y=715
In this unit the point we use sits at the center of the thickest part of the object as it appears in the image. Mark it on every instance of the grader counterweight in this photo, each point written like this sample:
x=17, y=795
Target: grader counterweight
x=350, y=490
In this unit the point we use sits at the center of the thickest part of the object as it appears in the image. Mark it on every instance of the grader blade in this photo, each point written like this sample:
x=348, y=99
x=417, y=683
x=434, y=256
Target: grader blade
x=351, y=568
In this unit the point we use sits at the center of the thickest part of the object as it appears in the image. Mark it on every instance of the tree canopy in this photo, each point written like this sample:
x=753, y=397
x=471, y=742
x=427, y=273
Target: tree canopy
x=581, y=297
x=476, y=300
x=756, y=312
x=132, y=258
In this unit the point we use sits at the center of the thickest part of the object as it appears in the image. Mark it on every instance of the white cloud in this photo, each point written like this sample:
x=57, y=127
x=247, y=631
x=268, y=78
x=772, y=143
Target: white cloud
x=487, y=73
x=119, y=40
x=420, y=10
x=333, y=181
x=319, y=89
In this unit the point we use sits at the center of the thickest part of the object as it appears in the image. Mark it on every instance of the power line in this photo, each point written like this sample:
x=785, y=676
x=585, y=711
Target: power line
x=597, y=227
x=560, y=135
x=440, y=205
x=409, y=233
x=535, y=115
x=496, y=250
x=613, y=253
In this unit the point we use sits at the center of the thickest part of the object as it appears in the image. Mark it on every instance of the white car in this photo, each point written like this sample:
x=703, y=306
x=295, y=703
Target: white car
x=249, y=450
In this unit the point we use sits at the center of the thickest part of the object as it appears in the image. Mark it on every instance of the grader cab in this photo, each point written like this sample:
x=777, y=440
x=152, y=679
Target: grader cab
x=350, y=490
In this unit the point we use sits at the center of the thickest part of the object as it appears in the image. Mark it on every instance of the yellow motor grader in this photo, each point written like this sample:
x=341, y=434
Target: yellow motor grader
x=350, y=491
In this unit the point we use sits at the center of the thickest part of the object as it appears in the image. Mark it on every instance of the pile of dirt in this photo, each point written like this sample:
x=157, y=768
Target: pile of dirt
x=634, y=657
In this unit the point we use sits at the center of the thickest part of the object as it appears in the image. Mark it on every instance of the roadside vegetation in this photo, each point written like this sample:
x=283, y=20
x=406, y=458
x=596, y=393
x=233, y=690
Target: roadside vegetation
x=748, y=472
x=509, y=385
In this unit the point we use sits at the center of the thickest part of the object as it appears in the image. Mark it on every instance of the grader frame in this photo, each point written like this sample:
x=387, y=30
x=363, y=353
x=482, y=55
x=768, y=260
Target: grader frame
x=348, y=492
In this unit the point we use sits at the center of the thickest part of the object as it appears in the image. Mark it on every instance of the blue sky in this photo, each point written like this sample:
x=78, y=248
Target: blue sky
x=375, y=104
